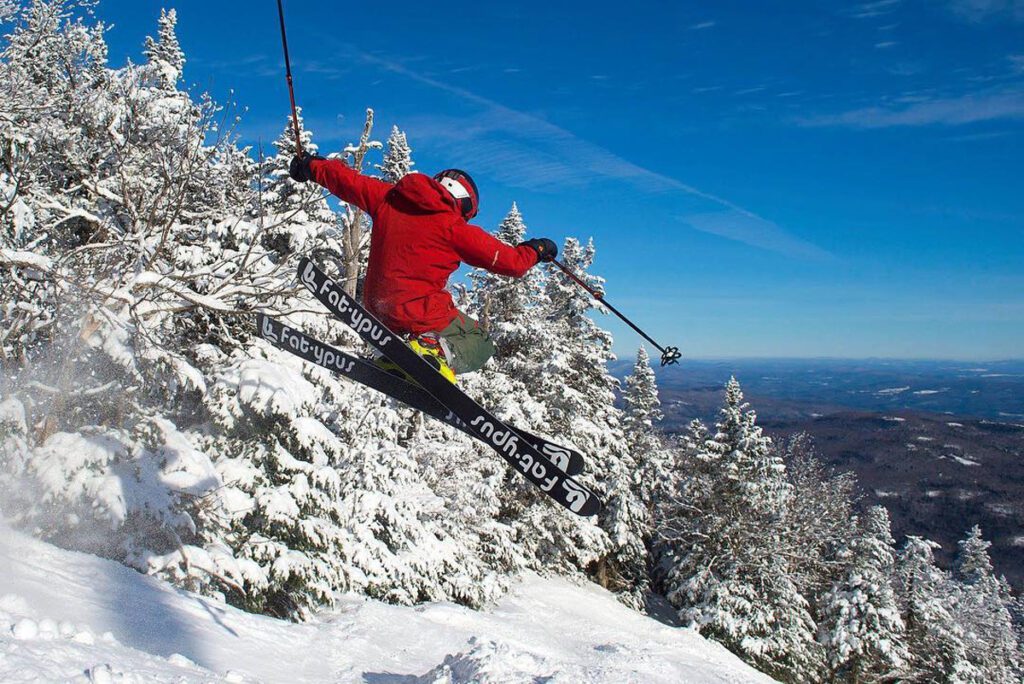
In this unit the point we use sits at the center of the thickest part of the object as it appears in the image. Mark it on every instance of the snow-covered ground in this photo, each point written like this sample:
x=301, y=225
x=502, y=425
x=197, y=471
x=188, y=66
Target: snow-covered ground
x=68, y=616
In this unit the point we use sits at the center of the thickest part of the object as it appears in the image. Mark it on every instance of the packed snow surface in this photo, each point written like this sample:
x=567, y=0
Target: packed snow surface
x=68, y=616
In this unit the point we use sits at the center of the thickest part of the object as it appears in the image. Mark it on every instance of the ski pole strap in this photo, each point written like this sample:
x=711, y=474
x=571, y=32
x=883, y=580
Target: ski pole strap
x=288, y=77
x=669, y=355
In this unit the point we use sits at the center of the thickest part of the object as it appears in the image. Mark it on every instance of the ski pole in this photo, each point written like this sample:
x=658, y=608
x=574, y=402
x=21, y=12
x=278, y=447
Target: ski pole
x=288, y=75
x=669, y=355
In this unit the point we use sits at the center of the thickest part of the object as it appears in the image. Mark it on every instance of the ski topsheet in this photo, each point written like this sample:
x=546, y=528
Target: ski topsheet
x=524, y=457
x=305, y=347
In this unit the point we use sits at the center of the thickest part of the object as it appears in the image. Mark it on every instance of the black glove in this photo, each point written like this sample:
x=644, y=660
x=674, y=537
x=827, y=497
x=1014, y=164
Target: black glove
x=299, y=168
x=546, y=249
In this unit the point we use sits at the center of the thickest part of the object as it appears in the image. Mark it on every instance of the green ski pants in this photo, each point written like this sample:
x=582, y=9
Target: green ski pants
x=466, y=346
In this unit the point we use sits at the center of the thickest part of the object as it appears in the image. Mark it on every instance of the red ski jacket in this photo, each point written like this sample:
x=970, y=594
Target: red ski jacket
x=419, y=239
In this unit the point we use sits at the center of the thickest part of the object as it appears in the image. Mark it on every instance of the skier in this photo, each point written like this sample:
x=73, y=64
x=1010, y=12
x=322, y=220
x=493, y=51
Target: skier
x=420, y=235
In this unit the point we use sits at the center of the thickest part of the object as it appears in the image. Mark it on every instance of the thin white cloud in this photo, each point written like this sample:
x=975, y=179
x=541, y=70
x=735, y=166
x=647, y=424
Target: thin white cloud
x=703, y=25
x=952, y=111
x=584, y=155
x=523, y=149
x=755, y=231
x=977, y=11
x=878, y=8
x=907, y=69
x=977, y=137
x=326, y=70
x=1016, y=63
x=886, y=44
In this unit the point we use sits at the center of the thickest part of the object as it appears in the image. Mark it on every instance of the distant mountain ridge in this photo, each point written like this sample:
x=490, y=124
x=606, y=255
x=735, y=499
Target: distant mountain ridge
x=940, y=444
x=992, y=390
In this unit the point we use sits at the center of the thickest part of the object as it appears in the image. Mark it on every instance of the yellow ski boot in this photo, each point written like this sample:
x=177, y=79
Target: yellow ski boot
x=430, y=349
x=427, y=347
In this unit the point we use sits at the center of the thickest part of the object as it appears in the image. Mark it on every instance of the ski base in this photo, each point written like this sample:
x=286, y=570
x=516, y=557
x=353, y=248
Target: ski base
x=310, y=349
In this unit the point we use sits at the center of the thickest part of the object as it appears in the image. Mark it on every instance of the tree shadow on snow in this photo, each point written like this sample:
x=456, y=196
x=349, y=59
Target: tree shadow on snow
x=159, y=619
x=658, y=608
x=216, y=614
x=149, y=615
x=153, y=615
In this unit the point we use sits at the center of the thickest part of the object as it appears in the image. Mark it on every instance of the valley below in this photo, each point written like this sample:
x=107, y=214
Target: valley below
x=941, y=445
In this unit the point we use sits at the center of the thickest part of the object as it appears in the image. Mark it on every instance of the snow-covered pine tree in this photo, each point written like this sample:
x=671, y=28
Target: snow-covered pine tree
x=642, y=411
x=722, y=532
x=643, y=473
x=983, y=610
x=643, y=407
x=818, y=517
x=294, y=215
x=626, y=519
x=973, y=567
x=934, y=637
x=398, y=161
x=550, y=373
x=164, y=55
x=1015, y=604
x=576, y=383
x=513, y=310
x=860, y=622
x=579, y=391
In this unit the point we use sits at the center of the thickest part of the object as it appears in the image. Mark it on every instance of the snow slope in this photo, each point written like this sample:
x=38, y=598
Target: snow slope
x=68, y=616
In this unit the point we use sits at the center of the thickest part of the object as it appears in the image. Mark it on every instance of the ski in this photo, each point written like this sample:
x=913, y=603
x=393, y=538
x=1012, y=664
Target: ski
x=527, y=459
x=289, y=339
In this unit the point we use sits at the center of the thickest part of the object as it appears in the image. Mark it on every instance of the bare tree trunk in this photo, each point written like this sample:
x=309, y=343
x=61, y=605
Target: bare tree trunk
x=352, y=240
x=485, y=316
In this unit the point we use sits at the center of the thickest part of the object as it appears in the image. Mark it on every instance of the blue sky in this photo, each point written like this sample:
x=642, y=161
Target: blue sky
x=760, y=179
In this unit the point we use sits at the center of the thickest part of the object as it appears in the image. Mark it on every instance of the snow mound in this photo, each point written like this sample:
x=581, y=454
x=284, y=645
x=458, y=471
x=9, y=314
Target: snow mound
x=489, y=661
x=68, y=616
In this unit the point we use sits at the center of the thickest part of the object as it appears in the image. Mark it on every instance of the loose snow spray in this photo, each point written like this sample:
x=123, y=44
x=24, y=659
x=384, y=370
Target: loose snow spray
x=669, y=355
x=36, y=402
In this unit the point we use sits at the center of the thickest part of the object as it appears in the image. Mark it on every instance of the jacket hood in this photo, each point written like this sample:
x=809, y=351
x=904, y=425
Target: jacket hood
x=418, y=193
